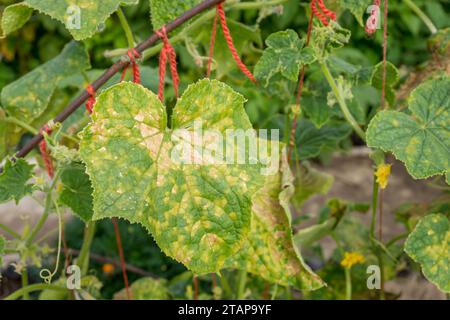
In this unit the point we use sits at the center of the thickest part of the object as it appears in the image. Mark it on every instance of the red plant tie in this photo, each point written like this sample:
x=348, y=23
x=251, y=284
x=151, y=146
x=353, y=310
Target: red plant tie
x=122, y=257
x=91, y=101
x=373, y=20
x=326, y=12
x=212, y=43
x=167, y=53
x=45, y=154
x=317, y=13
x=133, y=55
x=229, y=40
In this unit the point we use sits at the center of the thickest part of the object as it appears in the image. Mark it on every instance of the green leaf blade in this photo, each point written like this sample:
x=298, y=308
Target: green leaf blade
x=199, y=214
x=14, y=180
x=429, y=245
x=421, y=141
x=28, y=97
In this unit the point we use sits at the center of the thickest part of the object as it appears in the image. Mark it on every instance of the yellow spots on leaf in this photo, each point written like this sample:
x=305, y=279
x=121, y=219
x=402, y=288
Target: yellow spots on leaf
x=352, y=258
x=382, y=174
x=211, y=240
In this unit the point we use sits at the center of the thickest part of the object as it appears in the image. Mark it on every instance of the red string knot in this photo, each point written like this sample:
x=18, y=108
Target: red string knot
x=230, y=43
x=44, y=151
x=327, y=13
x=91, y=101
x=167, y=54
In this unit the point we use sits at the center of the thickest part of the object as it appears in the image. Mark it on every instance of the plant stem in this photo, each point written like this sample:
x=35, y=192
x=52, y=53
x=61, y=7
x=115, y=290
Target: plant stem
x=347, y=114
x=83, y=258
x=126, y=28
x=375, y=190
x=426, y=20
x=348, y=284
x=256, y=4
x=396, y=238
x=25, y=282
x=43, y=218
x=242, y=279
x=275, y=292
x=34, y=287
x=33, y=130
x=225, y=286
x=10, y=231
x=21, y=124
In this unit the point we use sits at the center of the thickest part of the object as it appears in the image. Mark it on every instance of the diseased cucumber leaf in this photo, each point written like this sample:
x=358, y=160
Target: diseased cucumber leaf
x=9, y=135
x=282, y=59
x=269, y=251
x=429, y=245
x=164, y=11
x=13, y=18
x=392, y=77
x=27, y=98
x=146, y=289
x=82, y=18
x=420, y=140
x=326, y=39
x=199, y=213
x=357, y=8
x=77, y=191
x=14, y=180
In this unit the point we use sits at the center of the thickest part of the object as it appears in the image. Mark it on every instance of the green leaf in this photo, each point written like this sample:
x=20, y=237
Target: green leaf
x=27, y=98
x=14, y=180
x=199, y=213
x=420, y=140
x=429, y=245
x=283, y=56
x=392, y=77
x=164, y=11
x=357, y=8
x=310, y=235
x=146, y=289
x=269, y=250
x=326, y=39
x=308, y=182
x=2, y=251
x=316, y=108
x=82, y=18
x=311, y=141
x=13, y=18
x=77, y=191
x=9, y=136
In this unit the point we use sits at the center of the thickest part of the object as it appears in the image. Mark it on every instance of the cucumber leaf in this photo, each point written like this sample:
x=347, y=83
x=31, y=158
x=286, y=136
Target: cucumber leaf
x=82, y=18
x=420, y=140
x=14, y=180
x=199, y=214
x=429, y=245
x=28, y=97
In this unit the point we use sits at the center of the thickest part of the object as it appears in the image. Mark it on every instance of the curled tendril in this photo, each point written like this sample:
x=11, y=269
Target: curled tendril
x=46, y=274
